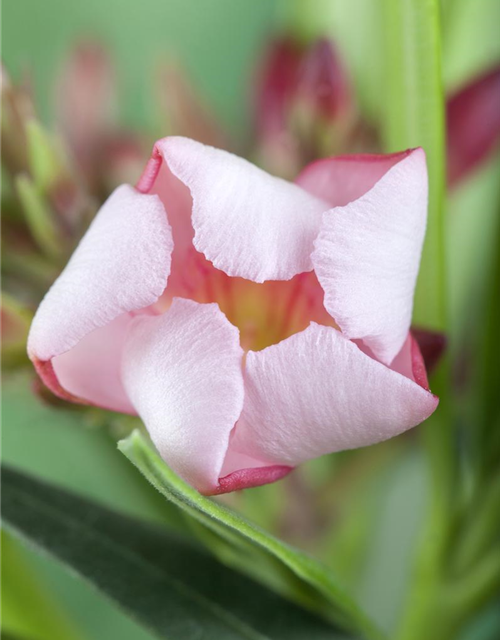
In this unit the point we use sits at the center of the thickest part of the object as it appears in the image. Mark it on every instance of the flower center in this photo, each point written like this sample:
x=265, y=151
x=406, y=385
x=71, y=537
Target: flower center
x=264, y=313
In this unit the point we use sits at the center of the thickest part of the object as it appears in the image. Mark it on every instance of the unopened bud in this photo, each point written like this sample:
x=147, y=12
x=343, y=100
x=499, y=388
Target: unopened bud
x=183, y=111
x=473, y=122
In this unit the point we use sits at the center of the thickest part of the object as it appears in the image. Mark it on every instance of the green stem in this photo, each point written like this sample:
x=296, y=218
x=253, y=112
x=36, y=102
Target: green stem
x=483, y=526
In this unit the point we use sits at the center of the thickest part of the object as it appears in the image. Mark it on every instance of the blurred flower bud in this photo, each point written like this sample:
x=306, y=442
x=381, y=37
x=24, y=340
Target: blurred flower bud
x=305, y=107
x=122, y=159
x=53, y=180
x=16, y=110
x=473, y=122
x=86, y=102
x=277, y=81
x=322, y=110
x=322, y=82
x=183, y=113
x=15, y=323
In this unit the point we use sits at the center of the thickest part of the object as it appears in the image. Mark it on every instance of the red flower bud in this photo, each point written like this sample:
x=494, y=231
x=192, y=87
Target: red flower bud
x=473, y=122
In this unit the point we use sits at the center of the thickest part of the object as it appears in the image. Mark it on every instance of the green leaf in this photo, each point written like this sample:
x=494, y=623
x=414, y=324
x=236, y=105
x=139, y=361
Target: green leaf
x=28, y=610
x=61, y=445
x=414, y=116
x=172, y=587
x=46, y=163
x=38, y=217
x=249, y=548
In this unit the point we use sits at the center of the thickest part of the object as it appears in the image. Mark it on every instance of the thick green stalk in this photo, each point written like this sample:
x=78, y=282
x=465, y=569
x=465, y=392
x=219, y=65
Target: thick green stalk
x=414, y=116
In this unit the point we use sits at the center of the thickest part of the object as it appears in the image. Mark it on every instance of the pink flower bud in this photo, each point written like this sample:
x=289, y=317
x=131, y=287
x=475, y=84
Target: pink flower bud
x=17, y=110
x=251, y=322
x=182, y=110
x=304, y=106
x=86, y=100
x=322, y=82
x=277, y=83
x=473, y=122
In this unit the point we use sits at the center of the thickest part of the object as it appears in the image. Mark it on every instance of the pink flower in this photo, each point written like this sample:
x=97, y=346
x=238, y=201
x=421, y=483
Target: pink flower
x=252, y=323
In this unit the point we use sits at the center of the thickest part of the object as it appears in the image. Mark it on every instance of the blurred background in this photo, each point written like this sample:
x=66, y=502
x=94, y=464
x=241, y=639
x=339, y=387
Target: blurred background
x=86, y=89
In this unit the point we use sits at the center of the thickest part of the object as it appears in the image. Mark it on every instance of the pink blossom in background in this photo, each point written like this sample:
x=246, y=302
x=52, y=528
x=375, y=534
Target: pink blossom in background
x=252, y=323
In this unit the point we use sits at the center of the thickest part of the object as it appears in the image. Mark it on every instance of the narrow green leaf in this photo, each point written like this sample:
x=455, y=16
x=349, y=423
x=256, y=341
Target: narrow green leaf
x=251, y=549
x=28, y=610
x=414, y=116
x=46, y=165
x=38, y=217
x=60, y=445
x=172, y=587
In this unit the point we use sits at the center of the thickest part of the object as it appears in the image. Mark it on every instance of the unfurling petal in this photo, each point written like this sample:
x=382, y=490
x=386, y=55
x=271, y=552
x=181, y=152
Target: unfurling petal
x=367, y=255
x=246, y=222
x=121, y=265
x=182, y=372
x=317, y=393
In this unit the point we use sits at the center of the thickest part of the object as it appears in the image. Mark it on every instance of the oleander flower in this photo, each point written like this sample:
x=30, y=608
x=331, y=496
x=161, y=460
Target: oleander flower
x=252, y=323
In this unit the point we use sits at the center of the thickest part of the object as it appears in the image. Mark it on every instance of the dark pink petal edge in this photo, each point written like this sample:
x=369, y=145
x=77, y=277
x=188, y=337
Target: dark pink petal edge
x=45, y=370
x=432, y=345
x=150, y=172
x=418, y=365
x=248, y=478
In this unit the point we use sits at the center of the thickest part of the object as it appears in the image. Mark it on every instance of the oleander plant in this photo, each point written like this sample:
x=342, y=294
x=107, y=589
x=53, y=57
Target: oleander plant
x=250, y=305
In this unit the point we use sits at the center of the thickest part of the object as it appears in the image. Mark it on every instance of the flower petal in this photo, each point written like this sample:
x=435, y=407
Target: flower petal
x=367, y=256
x=246, y=222
x=317, y=393
x=90, y=371
x=121, y=265
x=182, y=372
x=342, y=179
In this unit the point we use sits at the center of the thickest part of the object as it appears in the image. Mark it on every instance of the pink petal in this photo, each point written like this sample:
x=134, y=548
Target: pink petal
x=121, y=265
x=367, y=256
x=241, y=471
x=409, y=361
x=253, y=477
x=342, y=179
x=90, y=371
x=246, y=222
x=182, y=372
x=317, y=393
